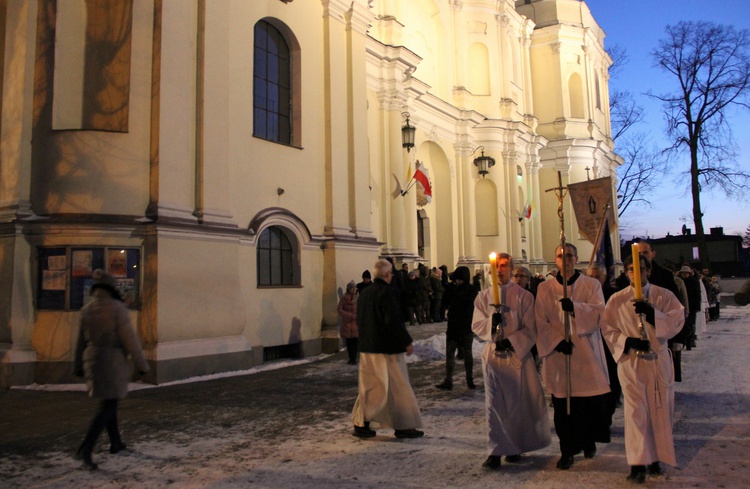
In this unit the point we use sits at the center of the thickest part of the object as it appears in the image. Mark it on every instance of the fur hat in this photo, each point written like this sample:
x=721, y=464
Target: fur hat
x=686, y=269
x=351, y=285
x=103, y=278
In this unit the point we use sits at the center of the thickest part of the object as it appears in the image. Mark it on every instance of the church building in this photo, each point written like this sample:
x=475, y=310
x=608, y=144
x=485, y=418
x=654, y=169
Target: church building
x=233, y=164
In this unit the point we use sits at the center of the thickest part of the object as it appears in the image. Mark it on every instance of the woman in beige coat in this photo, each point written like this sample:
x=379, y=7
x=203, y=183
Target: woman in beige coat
x=105, y=339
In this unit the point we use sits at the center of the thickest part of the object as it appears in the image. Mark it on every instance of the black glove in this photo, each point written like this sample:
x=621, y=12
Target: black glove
x=565, y=347
x=637, y=344
x=140, y=375
x=643, y=307
x=567, y=305
x=497, y=318
x=504, y=345
x=78, y=373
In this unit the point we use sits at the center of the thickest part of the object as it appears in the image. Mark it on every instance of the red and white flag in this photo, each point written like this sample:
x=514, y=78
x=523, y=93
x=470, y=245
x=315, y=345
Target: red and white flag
x=423, y=177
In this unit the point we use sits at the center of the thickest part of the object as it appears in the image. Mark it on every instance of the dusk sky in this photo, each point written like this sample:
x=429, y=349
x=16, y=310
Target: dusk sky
x=638, y=25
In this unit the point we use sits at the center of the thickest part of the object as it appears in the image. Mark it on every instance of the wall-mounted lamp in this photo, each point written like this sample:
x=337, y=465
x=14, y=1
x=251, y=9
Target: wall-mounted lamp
x=407, y=134
x=483, y=163
x=280, y=191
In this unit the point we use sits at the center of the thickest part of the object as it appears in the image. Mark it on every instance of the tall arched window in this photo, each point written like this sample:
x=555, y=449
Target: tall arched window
x=485, y=193
x=479, y=61
x=278, y=260
x=575, y=90
x=272, y=85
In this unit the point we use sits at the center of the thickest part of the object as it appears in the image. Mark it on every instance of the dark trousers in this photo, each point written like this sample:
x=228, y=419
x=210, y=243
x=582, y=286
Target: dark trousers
x=351, y=348
x=586, y=424
x=437, y=310
x=465, y=344
x=677, y=365
x=105, y=417
x=614, y=384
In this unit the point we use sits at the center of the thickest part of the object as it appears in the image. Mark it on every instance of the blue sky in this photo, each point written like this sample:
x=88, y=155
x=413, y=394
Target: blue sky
x=638, y=25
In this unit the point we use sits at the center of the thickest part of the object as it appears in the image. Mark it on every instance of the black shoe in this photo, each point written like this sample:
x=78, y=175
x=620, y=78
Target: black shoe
x=470, y=384
x=86, y=458
x=352, y=362
x=446, y=386
x=512, y=459
x=116, y=447
x=655, y=469
x=363, y=432
x=637, y=474
x=410, y=433
x=565, y=462
x=493, y=462
x=589, y=452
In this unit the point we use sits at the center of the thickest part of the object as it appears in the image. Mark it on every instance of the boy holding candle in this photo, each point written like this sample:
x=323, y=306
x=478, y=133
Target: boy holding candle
x=514, y=400
x=647, y=382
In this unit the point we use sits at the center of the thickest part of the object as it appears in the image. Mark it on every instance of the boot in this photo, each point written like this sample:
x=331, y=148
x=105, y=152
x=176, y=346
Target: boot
x=637, y=474
x=446, y=386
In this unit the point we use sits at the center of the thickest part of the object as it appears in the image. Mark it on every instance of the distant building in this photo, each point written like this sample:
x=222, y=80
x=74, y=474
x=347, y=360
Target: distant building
x=725, y=252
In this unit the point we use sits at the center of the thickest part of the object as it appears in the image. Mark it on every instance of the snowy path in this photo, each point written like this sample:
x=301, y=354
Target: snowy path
x=310, y=446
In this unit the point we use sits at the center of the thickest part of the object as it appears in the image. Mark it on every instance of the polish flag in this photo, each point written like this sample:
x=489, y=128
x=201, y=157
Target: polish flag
x=422, y=176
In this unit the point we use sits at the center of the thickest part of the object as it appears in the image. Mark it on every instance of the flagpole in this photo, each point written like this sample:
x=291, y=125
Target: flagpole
x=412, y=181
x=598, y=240
x=560, y=194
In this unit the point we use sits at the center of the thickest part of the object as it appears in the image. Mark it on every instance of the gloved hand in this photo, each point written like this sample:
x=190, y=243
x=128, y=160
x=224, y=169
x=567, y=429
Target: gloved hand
x=643, y=307
x=636, y=344
x=497, y=318
x=78, y=373
x=139, y=375
x=565, y=347
x=504, y=345
x=567, y=305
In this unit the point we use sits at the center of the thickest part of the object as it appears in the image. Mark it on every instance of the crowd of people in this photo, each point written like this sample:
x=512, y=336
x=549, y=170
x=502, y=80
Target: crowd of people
x=592, y=345
x=597, y=346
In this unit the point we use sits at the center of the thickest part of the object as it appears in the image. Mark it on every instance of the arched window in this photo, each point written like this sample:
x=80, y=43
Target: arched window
x=479, y=61
x=575, y=90
x=485, y=193
x=278, y=258
x=272, y=85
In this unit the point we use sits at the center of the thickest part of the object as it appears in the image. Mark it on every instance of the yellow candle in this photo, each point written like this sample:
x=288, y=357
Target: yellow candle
x=493, y=272
x=637, y=272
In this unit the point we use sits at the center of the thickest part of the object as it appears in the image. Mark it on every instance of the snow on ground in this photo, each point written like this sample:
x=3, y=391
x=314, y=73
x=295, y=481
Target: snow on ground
x=712, y=439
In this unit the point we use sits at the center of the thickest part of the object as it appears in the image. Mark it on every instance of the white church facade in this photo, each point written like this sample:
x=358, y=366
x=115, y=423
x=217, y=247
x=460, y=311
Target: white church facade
x=234, y=164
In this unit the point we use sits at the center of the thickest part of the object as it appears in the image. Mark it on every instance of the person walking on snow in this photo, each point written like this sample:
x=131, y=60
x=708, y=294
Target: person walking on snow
x=514, y=399
x=647, y=383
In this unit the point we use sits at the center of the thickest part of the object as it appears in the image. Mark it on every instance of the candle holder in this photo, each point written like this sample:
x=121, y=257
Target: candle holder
x=644, y=354
x=498, y=334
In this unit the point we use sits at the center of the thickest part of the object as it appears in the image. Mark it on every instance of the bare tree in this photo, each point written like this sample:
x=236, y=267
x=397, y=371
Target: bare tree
x=711, y=66
x=641, y=162
x=640, y=172
x=746, y=238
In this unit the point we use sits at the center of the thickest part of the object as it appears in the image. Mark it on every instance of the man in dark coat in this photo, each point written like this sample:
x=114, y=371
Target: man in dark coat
x=385, y=394
x=693, y=286
x=460, y=299
x=366, y=281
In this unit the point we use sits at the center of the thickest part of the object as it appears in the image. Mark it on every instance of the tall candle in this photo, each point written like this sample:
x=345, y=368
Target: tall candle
x=493, y=272
x=637, y=273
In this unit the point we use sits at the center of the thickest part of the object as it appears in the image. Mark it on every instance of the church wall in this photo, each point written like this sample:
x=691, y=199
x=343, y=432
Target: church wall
x=190, y=187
